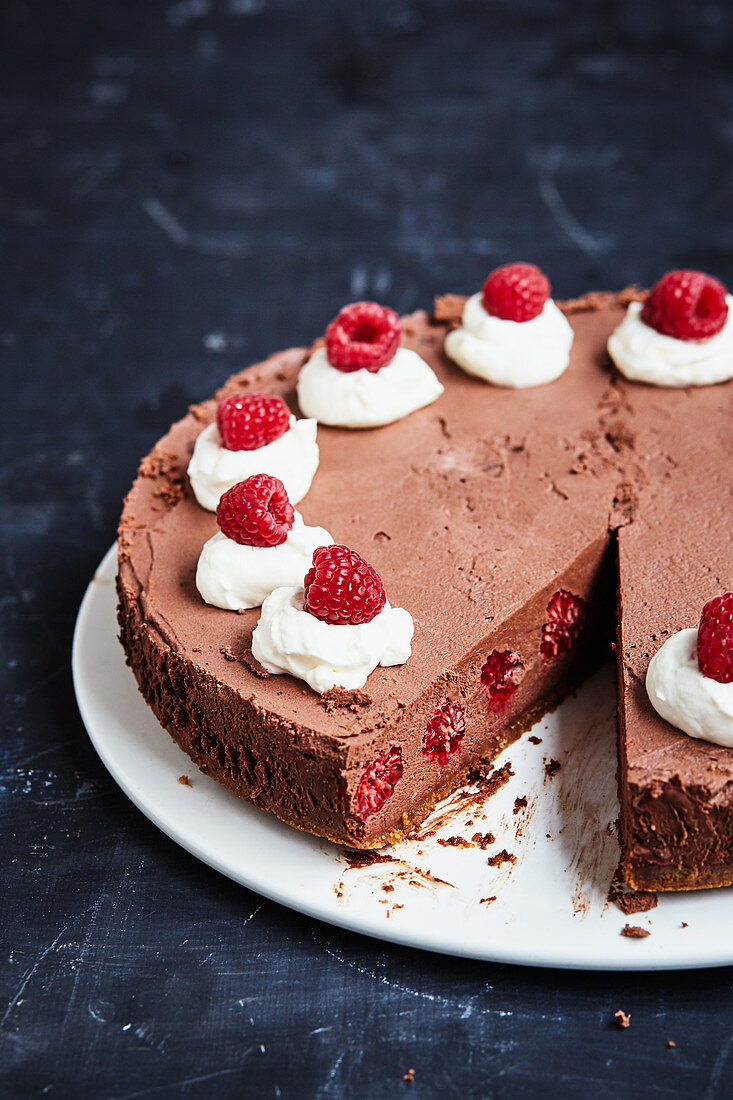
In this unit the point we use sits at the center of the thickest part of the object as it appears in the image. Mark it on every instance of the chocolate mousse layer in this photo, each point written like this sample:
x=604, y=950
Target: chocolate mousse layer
x=475, y=511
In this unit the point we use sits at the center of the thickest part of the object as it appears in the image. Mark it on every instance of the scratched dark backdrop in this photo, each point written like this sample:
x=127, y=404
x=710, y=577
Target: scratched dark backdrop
x=184, y=187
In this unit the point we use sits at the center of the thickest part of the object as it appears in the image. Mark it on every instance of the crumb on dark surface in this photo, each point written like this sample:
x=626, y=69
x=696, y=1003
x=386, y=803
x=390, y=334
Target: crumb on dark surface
x=226, y=652
x=483, y=840
x=551, y=766
x=535, y=740
x=623, y=1019
x=635, y=932
x=501, y=857
x=671, y=1044
x=185, y=781
x=520, y=803
x=409, y=1076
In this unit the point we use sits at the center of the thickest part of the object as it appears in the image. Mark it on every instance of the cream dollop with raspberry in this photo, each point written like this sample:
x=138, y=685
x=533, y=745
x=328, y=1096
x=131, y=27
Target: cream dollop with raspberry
x=287, y=638
x=293, y=458
x=515, y=354
x=644, y=355
x=366, y=399
x=679, y=692
x=235, y=576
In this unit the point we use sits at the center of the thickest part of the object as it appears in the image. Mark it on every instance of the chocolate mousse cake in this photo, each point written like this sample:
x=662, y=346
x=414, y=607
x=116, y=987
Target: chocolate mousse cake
x=501, y=520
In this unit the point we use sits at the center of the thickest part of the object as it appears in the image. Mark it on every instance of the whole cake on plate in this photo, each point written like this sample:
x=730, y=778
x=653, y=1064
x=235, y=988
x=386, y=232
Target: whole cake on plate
x=482, y=494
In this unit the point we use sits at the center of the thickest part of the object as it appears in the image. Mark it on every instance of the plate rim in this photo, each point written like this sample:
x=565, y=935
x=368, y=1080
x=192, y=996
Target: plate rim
x=327, y=913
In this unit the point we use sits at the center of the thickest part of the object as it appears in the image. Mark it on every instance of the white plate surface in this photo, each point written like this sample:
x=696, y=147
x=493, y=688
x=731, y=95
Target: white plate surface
x=551, y=906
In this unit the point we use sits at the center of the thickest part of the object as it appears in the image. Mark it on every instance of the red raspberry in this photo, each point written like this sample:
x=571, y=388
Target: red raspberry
x=363, y=335
x=496, y=678
x=256, y=512
x=715, y=639
x=341, y=588
x=516, y=292
x=688, y=305
x=566, y=616
x=377, y=783
x=444, y=733
x=248, y=421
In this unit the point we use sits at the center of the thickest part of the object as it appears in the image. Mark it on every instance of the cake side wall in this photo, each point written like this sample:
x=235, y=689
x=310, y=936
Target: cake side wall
x=290, y=772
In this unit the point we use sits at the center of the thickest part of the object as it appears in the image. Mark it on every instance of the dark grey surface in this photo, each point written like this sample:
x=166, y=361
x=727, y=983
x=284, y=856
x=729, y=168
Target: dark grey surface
x=185, y=187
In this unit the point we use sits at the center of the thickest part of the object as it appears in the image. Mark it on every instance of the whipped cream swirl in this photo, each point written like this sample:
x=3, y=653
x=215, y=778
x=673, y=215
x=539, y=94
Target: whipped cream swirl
x=511, y=353
x=362, y=398
x=679, y=693
x=235, y=577
x=644, y=355
x=289, y=639
x=293, y=458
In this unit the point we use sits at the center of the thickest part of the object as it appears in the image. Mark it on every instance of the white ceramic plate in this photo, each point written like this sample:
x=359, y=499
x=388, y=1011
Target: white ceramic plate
x=550, y=906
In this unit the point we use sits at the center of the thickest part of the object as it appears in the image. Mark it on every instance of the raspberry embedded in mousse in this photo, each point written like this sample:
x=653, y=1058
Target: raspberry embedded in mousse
x=715, y=639
x=342, y=588
x=377, y=782
x=566, y=615
x=687, y=305
x=497, y=678
x=363, y=336
x=256, y=512
x=444, y=733
x=516, y=292
x=249, y=421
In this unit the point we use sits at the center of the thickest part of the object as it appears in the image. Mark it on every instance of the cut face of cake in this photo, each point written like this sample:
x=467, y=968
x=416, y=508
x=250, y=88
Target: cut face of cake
x=492, y=516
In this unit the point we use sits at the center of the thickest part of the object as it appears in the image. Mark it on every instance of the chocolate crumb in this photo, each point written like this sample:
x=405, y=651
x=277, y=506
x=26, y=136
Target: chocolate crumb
x=197, y=649
x=185, y=781
x=623, y=1019
x=520, y=803
x=632, y=901
x=366, y=858
x=501, y=857
x=551, y=766
x=535, y=740
x=449, y=308
x=454, y=842
x=409, y=1076
x=634, y=932
x=255, y=667
x=487, y=901
x=343, y=697
x=671, y=1044
x=387, y=887
x=226, y=653
x=684, y=924
x=483, y=840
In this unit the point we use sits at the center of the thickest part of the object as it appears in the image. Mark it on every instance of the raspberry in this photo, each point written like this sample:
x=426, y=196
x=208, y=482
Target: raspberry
x=377, y=783
x=516, y=292
x=256, y=512
x=715, y=639
x=566, y=616
x=688, y=305
x=248, y=421
x=496, y=678
x=341, y=588
x=444, y=733
x=363, y=336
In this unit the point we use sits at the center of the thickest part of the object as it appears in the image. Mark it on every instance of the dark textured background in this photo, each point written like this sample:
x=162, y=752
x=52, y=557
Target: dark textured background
x=185, y=187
